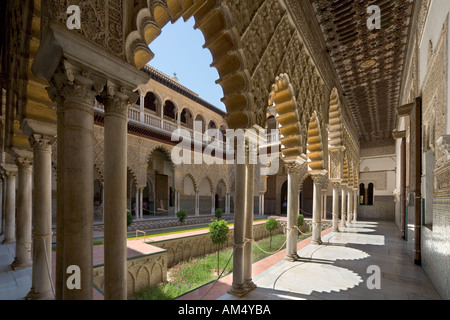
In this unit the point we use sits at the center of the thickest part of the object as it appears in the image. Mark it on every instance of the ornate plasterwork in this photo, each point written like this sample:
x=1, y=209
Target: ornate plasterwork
x=102, y=21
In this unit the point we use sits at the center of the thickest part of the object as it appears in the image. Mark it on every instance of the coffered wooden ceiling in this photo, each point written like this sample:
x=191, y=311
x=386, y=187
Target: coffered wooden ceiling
x=369, y=63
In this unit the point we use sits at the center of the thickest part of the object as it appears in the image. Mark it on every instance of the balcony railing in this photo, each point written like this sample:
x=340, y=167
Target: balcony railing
x=153, y=122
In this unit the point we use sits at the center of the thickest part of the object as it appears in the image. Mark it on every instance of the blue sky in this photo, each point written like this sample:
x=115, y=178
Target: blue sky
x=179, y=49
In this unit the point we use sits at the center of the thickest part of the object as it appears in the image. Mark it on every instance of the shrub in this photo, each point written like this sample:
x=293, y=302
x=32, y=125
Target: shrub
x=129, y=219
x=300, y=220
x=218, y=213
x=218, y=231
x=271, y=225
x=181, y=216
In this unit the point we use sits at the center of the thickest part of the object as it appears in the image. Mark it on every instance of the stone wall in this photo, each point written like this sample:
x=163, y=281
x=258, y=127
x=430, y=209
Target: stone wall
x=184, y=248
x=143, y=272
x=383, y=209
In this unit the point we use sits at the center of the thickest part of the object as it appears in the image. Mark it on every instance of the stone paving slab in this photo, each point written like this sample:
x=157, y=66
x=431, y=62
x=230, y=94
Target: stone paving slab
x=338, y=269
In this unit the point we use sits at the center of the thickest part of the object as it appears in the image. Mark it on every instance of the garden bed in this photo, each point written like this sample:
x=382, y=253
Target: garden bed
x=189, y=275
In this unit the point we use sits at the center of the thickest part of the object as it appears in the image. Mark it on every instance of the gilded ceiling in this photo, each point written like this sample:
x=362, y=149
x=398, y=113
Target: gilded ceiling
x=368, y=62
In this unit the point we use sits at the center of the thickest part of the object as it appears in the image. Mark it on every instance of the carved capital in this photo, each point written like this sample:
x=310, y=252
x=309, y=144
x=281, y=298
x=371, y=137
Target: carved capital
x=24, y=163
x=116, y=100
x=72, y=84
x=42, y=143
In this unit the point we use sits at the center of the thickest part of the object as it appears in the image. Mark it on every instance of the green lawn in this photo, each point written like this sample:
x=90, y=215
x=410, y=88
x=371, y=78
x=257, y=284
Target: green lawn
x=189, y=275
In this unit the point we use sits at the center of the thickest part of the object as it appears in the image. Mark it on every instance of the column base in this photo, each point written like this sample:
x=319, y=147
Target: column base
x=6, y=241
x=16, y=265
x=292, y=258
x=335, y=230
x=249, y=285
x=316, y=242
x=32, y=295
x=237, y=290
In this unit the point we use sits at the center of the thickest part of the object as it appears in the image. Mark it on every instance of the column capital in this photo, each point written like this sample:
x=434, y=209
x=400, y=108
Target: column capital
x=73, y=83
x=319, y=178
x=116, y=99
x=42, y=143
x=24, y=163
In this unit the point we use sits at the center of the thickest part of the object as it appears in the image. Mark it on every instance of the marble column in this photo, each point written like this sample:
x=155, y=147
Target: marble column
x=343, y=205
x=24, y=214
x=41, y=285
x=227, y=203
x=60, y=272
x=355, y=205
x=317, y=209
x=292, y=211
x=137, y=204
x=261, y=203
x=349, y=205
x=197, y=203
x=2, y=211
x=240, y=207
x=213, y=204
x=141, y=203
x=335, y=221
x=324, y=209
x=249, y=213
x=78, y=183
x=115, y=190
x=10, y=206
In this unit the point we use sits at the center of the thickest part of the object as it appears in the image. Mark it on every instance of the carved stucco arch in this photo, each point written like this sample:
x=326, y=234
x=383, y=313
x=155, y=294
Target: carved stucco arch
x=282, y=98
x=314, y=144
x=335, y=120
x=213, y=18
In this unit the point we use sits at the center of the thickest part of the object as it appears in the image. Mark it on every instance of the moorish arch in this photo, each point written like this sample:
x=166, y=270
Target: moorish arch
x=315, y=149
x=335, y=120
x=282, y=99
x=221, y=38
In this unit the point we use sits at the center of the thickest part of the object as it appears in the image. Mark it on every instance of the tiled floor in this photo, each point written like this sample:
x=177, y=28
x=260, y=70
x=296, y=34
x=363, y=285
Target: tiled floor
x=338, y=269
x=343, y=268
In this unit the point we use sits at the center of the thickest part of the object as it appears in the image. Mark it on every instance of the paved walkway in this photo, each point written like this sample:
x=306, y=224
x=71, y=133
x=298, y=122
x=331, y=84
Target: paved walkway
x=338, y=269
x=343, y=266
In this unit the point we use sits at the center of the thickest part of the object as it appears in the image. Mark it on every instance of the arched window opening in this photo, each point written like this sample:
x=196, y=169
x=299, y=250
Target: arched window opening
x=151, y=102
x=169, y=110
x=370, y=195
x=212, y=125
x=362, y=194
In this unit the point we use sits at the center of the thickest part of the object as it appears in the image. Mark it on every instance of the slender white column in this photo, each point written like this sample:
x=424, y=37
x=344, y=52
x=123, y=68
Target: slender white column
x=197, y=203
x=355, y=205
x=24, y=209
x=115, y=189
x=317, y=204
x=137, y=203
x=261, y=204
x=213, y=204
x=227, y=203
x=249, y=213
x=10, y=207
x=335, y=221
x=349, y=205
x=343, y=205
x=240, y=207
x=2, y=211
x=78, y=177
x=42, y=287
x=141, y=203
x=324, y=193
x=292, y=212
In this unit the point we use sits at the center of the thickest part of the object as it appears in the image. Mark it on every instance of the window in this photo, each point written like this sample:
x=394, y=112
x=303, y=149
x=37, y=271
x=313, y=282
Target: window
x=362, y=194
x=150, y=102
x=370, y=197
